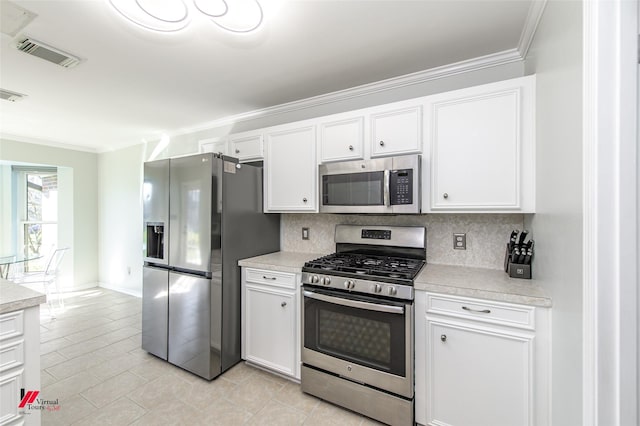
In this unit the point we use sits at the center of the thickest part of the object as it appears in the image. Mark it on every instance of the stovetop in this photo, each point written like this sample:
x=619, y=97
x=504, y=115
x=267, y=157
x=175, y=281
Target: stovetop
x=382, y=276
x=366, y=266
x=380, y=261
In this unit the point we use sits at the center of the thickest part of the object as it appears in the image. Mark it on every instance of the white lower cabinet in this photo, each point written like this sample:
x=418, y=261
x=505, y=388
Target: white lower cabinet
x=270, y=326
x=19, y=366
x=480, y=362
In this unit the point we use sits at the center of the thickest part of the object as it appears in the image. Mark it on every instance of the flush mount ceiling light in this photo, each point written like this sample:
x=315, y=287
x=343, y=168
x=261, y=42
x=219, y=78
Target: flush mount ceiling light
x=155, y=15
x=238, y=16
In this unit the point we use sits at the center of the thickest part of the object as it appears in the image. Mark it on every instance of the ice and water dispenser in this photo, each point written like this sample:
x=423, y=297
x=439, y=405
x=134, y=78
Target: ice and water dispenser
x=155, y=240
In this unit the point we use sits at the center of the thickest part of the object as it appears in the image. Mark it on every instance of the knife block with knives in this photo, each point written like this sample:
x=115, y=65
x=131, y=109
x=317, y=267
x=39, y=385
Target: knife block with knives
x=519, y=255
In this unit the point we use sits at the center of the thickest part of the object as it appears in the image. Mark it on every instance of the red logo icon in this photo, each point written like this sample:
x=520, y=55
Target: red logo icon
x=29, y=398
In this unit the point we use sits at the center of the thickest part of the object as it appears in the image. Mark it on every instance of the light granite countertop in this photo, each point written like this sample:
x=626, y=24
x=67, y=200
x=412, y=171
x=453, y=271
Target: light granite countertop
x=286, y=261
x=490, y=284
x=15, y=297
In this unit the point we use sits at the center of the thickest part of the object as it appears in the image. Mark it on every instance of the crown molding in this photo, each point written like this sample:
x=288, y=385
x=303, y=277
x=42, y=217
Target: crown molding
x=482, y=62
x=530, y=26
x=49, y=143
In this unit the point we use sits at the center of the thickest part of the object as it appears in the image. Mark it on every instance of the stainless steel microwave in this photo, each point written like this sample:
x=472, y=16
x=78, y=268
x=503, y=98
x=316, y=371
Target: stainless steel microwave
x=383, y=185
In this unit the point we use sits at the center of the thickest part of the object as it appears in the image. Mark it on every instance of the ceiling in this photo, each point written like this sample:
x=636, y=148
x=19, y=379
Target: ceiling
x=134, y=84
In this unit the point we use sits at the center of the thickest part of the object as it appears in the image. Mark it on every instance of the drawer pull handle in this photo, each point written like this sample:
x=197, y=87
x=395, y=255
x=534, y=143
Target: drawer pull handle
x=484, y=311
x=269, y=278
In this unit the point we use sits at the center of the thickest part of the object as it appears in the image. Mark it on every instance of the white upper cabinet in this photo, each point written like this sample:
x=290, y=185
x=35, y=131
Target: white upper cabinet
x=482, y=148
x=342, y=139
x=397, y=131
x=216, y=145
x=246, y=146
x=290, y=169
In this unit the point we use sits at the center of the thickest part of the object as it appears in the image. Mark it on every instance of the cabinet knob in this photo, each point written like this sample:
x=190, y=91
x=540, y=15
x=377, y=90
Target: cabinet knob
x=350, y=147
x=445, y=195
x=443, y=337
x=381, y=143
x=237, y=151
x=304, y=200
x=283, y=304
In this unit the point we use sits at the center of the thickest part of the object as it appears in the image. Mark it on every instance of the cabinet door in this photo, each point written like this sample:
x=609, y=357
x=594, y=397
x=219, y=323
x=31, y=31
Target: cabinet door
x=396, y=132
x=291, y=170
x=478, y=376
x=482, y=148
x=246, y=148
x=270, y=328
x=342, y=140
x=215, y=145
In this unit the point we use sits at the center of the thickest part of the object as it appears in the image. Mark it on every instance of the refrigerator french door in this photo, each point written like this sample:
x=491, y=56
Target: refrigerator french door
x=214, y=213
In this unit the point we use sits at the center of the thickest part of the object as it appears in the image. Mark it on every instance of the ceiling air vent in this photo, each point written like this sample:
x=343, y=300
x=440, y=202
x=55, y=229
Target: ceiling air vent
x=48, y=53
x=8, y=95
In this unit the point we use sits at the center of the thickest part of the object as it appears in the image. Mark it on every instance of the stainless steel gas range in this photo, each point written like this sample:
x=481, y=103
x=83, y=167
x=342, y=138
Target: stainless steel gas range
x=358, y=327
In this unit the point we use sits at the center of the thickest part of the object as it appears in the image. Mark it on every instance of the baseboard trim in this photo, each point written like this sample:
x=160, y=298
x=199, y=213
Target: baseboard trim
x=135, y=293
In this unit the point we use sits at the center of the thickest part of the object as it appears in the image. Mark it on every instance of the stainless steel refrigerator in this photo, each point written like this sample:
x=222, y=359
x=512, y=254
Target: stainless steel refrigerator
x=202, y=213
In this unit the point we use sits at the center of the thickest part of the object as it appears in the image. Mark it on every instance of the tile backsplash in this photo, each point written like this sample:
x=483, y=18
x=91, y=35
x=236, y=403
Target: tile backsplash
x=487, y=234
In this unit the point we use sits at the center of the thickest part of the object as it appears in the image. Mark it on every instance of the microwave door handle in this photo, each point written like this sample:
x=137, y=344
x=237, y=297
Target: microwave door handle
x=386, y=188
x=355, y=303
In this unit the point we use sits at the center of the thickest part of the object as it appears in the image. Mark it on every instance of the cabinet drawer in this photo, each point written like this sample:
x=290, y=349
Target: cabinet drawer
x=11, y=355
x=482, y=310
x=272, y=278
x=11, y=325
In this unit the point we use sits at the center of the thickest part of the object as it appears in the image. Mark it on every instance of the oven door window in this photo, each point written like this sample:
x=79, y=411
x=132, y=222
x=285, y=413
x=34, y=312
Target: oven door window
x=370, y=338
x=353, y=189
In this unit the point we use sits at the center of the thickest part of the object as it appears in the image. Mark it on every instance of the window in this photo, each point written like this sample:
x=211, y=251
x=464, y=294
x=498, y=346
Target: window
x=39, y=230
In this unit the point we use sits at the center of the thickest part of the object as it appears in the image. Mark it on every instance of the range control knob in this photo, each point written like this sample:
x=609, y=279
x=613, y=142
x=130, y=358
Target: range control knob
x=376, y=288
x=325, y=280
x=392, y=291
x=349, y=284
x=313, y=279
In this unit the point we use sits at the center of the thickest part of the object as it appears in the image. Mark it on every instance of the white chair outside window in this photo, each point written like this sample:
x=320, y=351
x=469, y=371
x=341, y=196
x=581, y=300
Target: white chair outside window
x=49, y=278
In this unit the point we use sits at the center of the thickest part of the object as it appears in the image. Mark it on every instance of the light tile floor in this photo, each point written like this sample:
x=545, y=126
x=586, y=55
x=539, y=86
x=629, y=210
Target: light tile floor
x=91, y=361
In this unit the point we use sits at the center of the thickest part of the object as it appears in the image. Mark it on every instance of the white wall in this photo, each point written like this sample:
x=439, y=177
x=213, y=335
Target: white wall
x=80, y=172
x=6, y=240
x=556, y=57
x=120, y=219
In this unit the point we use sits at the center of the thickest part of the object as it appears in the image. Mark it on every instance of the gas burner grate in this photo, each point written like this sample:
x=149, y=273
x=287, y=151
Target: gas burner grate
x=374, y=266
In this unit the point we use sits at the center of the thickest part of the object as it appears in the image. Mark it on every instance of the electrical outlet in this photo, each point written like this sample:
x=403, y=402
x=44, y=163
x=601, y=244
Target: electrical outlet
x=305, y=233
x=460, y=241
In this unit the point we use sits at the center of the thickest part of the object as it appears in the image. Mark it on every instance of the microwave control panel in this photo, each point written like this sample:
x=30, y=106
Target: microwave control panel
x=401, y=187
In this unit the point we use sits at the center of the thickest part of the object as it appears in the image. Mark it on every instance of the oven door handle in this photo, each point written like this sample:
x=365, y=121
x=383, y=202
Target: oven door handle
x=354, y=303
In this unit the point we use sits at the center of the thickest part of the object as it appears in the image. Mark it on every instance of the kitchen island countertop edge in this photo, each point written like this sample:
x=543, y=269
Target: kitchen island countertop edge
x=14, y=297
